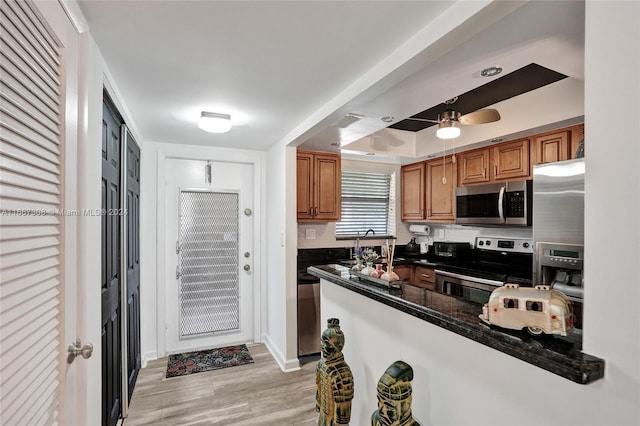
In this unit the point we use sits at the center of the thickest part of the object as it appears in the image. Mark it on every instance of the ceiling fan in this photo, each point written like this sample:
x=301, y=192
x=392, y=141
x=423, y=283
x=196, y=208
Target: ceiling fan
x=449, y=121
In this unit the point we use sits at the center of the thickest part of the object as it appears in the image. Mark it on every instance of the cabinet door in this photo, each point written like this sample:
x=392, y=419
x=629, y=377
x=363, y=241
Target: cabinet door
x=440, y=199
x=551, y=148
x=473, y=167
x=304, y=185
x=425, y=277
x=412, y=189
x=577, y=135
x=511, y=160
x=327, y=187
x=403, y=271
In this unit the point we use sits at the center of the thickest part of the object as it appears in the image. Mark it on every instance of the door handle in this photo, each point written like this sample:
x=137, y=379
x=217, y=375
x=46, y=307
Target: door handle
x=75, y=350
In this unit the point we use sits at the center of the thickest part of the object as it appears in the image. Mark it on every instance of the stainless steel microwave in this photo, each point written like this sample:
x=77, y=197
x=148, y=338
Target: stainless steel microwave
x=508, y=203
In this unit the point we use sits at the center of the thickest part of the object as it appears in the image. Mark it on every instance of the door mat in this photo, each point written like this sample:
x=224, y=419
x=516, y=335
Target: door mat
x=210, y=359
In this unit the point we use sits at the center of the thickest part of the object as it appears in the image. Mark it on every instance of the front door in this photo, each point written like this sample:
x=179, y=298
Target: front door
x=209, y=268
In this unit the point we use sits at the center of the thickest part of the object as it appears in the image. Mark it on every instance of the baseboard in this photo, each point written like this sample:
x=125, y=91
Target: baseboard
x=148, y=356
x=285, y=365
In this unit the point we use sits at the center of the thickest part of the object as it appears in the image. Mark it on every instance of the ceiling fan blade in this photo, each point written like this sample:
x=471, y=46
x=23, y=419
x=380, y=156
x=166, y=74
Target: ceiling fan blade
x=480, y=116
x=422, y=119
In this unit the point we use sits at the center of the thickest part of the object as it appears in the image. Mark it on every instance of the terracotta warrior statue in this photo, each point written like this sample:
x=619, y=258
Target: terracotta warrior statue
x=394, y=397
x=334, y=380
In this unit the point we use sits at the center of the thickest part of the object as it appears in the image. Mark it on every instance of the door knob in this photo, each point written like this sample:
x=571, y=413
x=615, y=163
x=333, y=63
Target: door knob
x=247, y=267
x=75, y=350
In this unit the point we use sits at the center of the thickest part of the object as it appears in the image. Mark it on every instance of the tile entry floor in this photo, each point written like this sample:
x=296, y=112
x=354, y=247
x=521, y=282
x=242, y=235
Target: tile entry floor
x=251, y=394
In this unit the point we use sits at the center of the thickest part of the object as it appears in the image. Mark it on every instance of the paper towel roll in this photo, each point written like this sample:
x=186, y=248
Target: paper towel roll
x=420, y=229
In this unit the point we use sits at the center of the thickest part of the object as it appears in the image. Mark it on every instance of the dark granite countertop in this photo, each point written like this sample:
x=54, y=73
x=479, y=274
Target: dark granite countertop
x=560, y=355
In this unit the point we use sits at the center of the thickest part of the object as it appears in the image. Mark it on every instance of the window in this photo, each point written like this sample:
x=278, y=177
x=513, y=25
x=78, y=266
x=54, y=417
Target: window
x=368, y=202
x=511, y=303
x=535, y=306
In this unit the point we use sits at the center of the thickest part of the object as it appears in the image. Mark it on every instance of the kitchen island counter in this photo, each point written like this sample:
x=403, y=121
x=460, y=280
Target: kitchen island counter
x=560, y=355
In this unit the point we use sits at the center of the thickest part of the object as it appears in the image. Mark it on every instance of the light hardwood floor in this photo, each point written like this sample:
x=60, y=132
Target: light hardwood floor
x=252, y=394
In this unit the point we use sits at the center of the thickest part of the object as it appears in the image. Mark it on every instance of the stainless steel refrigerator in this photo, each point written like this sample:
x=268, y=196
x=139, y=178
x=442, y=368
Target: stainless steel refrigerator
x=558, y=228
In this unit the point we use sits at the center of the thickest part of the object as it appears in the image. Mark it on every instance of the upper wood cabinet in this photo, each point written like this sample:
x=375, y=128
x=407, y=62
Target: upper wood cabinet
x=550, y=147
x=412, y=181
x=577, y=135
x=473, y=166
x=510, y=160
x=318, y=179
x=440, y=191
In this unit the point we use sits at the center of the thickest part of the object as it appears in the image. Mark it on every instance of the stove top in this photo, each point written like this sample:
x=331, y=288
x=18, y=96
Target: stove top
x=498, y=259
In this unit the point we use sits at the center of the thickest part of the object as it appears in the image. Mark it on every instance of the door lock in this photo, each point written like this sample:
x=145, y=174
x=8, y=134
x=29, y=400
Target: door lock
x=75, y=350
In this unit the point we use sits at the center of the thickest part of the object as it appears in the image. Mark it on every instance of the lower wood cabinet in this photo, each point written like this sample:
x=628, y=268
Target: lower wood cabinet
x=403, y=271
x=424, y=277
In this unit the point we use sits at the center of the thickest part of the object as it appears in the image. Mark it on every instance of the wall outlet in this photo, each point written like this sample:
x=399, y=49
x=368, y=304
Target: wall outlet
x=310, y=234
x=441, y=233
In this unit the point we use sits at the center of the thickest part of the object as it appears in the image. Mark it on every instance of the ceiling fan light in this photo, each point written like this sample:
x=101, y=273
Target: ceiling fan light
x=448, y=129
x=214, y=122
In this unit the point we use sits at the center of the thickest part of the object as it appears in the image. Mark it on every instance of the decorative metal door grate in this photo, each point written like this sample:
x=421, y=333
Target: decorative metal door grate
x=209, y=262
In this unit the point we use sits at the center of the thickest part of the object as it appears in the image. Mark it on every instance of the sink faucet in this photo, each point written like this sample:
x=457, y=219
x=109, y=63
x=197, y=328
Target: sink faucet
x=367, y=233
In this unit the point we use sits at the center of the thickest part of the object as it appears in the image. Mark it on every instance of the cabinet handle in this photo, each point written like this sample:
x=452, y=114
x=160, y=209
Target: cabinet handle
x=315, y=213
x=495, y=170
x=425, y=275
x=484, y=172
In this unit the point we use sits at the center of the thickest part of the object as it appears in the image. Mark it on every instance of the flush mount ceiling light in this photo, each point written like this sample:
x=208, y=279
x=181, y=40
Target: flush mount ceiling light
x=491, y=71
x=214, y=122
x=387, y=119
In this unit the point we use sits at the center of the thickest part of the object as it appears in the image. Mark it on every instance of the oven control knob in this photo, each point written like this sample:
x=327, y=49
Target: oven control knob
x=488, y=243
x=525, y=245
x=480, y=243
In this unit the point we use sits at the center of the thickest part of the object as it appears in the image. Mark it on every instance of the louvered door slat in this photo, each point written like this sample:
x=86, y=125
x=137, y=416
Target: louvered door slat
x=31, y=317
x=31, y=170
x=13, y=77
x=34, y=38
x=18, y=106
x=26, y=150
x=9, y=247
x=21, y=46
x=30, y=128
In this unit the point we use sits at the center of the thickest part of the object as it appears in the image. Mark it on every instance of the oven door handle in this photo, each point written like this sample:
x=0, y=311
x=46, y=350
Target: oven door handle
x=470, y=279
x=501, y=204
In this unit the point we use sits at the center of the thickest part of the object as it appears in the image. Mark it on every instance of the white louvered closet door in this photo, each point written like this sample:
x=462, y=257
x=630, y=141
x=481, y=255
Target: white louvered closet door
x=31, y=292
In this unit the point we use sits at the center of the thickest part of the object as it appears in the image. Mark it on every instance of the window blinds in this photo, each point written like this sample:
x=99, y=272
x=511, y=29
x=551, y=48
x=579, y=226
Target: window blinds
x=31, y=240
x=366, y=203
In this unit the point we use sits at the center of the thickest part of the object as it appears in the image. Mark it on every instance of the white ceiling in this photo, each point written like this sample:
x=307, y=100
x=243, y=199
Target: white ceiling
x=288, y=71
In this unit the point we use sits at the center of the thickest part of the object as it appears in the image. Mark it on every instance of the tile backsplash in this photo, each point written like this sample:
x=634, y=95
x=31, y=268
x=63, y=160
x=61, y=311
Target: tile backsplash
x=459, y=233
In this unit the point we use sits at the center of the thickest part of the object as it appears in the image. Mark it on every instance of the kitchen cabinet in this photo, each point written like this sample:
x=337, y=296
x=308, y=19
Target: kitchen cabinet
x=577, y=135
x=473, y=166
x=510, y=160
x=425, y=277
x=318, y=179
x=506, y=161
x=403, y=271
x=440, y=193
x=550, y=147
x=412, y=182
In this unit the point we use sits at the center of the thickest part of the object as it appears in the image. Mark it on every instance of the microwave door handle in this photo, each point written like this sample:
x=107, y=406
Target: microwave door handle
x=501, y=204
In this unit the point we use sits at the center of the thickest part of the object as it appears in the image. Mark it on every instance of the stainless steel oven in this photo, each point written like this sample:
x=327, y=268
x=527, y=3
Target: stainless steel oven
x=470, y=288
x=495, y=261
